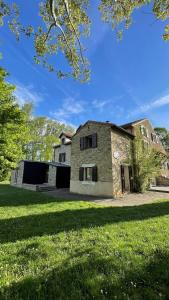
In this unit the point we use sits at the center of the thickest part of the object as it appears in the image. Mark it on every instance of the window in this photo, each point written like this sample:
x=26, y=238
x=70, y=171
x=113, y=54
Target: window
x=153, y=137
x=88, y=174
x=145, y=145
x=89, y=141
x=143, y=131
x=62, y=157
x=63, y=141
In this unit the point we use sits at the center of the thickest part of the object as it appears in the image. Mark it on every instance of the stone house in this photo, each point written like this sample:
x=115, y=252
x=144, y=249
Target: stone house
x=149, y=139
x=62, y=152
x=101, y=159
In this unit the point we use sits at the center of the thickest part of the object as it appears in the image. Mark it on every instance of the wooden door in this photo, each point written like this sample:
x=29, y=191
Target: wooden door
x=122, y=179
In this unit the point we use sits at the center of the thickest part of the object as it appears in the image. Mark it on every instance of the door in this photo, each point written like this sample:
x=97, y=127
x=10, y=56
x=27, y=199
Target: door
x=122, y=179
x=126, y=178
x=131, y=178
x=63, y=177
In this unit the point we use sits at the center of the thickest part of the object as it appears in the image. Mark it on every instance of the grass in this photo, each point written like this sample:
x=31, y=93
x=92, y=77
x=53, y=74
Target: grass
x=53, y=249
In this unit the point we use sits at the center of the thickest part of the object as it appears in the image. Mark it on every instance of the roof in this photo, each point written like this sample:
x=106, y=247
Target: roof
x=132, y=123
x=55, y=164
x=113, y=126
x=67, y=134
x=66, y=144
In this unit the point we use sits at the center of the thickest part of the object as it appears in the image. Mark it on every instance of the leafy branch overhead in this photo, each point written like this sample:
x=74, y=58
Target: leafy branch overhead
x=66, y=22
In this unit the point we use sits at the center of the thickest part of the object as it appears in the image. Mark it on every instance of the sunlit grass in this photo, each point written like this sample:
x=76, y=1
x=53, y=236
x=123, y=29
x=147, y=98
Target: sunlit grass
x=54, y=249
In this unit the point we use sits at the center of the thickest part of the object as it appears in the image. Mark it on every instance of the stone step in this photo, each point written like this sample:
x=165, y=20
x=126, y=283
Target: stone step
x=45, y=188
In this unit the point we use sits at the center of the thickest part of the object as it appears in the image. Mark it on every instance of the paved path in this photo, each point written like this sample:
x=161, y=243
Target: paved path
x=127, y=200
x=160, y=189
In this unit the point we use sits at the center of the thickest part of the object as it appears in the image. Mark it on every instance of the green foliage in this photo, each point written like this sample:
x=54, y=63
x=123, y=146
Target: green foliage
x=147, y=163
x=66, y=22
x=55, y=249
x=163, y=134
x=13, y=132
x=43, y=135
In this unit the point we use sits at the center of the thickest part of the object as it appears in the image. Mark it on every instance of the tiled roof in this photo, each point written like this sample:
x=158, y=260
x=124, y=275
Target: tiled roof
x=113, y=126
x=67, y=134
x=132, y=123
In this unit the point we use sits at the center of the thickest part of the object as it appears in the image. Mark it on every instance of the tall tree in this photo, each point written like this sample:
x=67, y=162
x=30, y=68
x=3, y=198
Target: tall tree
x=43, y=135
x=147, y=163
x=13, y=132
x=65, y=22
x=163, y=134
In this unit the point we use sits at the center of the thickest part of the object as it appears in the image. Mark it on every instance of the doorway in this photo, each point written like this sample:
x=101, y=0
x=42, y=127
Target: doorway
x=63, y=177
x=127, y=180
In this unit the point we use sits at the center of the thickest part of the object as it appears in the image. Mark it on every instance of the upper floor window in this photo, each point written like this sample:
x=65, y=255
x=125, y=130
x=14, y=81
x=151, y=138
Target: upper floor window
x=62, y=157
x=144, y=131
x=63, y=141
x=154, y=138
x=89, y=141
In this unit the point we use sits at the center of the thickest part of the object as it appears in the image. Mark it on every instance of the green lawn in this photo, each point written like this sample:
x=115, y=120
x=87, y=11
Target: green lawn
x=52, y=249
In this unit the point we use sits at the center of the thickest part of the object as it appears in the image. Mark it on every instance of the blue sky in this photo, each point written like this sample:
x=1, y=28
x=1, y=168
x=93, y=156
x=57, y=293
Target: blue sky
x=129, y=79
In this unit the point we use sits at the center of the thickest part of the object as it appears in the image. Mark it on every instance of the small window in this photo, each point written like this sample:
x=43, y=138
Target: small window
x=144, y=131
x=89, y=141
x=154, y=138
x=62, y=157
x=88, y=174
x=63, y=141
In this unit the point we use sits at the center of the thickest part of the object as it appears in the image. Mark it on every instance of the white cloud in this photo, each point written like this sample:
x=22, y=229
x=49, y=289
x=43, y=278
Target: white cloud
x=69, y=109
x=154, y=104
x=99, y=104
x=27, y=93
x=162, y=101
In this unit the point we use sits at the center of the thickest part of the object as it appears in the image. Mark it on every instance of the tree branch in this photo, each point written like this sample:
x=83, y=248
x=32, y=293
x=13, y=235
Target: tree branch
x=52, y=8
x=68, y=13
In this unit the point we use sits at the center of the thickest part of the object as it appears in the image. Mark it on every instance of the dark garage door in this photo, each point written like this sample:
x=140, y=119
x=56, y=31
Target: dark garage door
x=35, y=173
x=63, y=177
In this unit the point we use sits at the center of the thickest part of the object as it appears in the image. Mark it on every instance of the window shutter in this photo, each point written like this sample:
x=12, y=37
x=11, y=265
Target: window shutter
x=82, y=139
x=94, y=140
x=94, y=174
x=59, y=157
x=81, y=173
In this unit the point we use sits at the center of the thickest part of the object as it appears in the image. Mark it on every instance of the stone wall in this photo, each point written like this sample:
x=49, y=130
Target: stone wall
x=17, y=175
x=162, y=181
x=63, y=149
x=52, y=176
x=121, y=155
x=100, y=156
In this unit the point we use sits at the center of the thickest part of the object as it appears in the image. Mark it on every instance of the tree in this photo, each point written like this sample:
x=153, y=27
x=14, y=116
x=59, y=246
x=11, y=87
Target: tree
x=65, y=22
x=163, y=134
x=13, y=132
x=43, y=135
x=147, y=164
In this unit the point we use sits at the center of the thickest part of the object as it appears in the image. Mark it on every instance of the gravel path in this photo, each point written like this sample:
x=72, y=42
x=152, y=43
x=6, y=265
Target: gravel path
x=127, y=200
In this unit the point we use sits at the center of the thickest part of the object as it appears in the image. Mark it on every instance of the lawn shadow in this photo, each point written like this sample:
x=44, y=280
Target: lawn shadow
x=95, y=277
x=20, y=228
x=13, y=196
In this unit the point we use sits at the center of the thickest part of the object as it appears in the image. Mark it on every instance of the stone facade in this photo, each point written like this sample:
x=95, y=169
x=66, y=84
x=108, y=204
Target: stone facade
x=17, y=175
x=52, y=175
x=150, y=138
x=108, y=168
x=63, y=149
x=163, y=181
x=121, y=150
